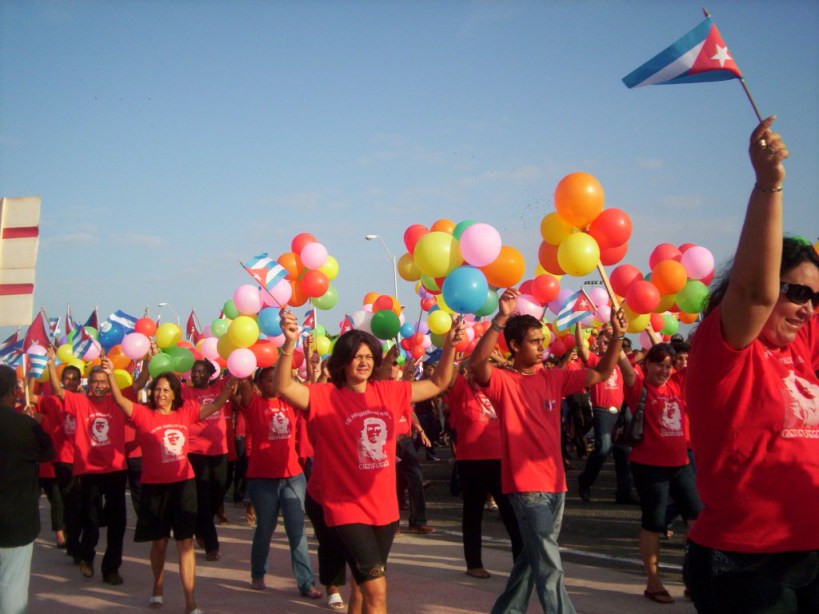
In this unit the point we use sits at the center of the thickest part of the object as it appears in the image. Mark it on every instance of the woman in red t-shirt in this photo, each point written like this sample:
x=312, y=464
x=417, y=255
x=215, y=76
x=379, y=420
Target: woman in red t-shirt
x=354, y=420
x=659, y=463
x=752, y=392
x=168, y=500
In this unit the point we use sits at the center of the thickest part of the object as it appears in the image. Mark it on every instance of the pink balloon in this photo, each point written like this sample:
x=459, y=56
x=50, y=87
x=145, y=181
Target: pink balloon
x=210, y=348
x=241, y=362
x=36, y=349
x=207, y=332
x=599, y=297
x=561, y=299
x=247, y=300
x=698, y=262
x=135, y=345
x=313, y=255
x=93, y=352
x=279, y=296
x=528, y=305
x=604, y=313
x=480, y=244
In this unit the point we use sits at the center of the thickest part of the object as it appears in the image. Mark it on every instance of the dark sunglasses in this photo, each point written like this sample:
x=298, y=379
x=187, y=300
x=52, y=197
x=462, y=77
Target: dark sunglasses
x=799, y=294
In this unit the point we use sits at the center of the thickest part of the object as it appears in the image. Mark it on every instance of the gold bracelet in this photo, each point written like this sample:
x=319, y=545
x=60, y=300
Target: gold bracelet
x=285, y=353
x=767, y=190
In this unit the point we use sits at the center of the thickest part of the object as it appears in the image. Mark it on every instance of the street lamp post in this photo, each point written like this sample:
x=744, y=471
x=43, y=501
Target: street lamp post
x=173, y=311
x=394, y=262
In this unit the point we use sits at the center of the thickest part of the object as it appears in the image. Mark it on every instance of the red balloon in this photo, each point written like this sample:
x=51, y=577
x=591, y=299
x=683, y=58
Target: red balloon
x=382, y=302
x=708, y=278
x=417, y=352
x=300, y=241
x=611, y=228
x=623, y=276
x=146, y=326
x=526, y=287
x=547, y=256
x=412, y=235
x=686, y=246
x=417, y=338
x=298, y=357
x=664, y=251
x=545, y=288
x=613, y=255
x=428, y=303
x=557, y=348
x=642, y=296
x=463, y=344
x=314, y=283
x=657, y=322
x=265, y=352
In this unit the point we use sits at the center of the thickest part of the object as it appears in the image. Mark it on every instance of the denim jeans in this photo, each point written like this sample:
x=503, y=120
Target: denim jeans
x=724, y=582
x=539, y=516
x=269, y=496
x=15, y=573
x=603, y=422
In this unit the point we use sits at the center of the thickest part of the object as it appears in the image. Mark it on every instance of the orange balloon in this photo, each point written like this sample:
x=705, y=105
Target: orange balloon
x=299, y=296
x=579, y=199
x=407, y=268
x=547, y=255
x=370, y=298
x=292, y=264
x=688, y=318
x=669, y=276
x=443, y=225
x=506, y=270
x=118, y=359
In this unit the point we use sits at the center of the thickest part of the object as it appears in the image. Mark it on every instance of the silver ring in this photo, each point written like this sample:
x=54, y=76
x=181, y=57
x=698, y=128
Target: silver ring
x=763, y=143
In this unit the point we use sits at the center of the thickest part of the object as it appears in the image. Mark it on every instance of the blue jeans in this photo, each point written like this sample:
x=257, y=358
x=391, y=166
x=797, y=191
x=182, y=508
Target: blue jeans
x=15, y=573
x=603, y=422
x=269, y=496
x=539, y=516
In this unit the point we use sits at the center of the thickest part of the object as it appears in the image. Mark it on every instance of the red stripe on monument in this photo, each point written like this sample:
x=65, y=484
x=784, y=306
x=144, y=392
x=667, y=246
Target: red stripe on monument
x=10, y=289
x=22, y=232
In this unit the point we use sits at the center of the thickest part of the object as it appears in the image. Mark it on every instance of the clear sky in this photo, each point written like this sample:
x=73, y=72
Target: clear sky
x=171, y=139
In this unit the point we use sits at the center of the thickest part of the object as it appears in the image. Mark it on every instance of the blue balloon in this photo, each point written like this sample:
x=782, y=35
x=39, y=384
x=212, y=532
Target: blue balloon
x=465, y=289
x=110, y=334
x=407, y=330
x=269, y=322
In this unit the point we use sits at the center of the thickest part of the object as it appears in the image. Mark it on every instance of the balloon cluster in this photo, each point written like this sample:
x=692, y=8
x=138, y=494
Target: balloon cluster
x=676, y=290
x=380, y=314
x=580, y=234
x=310, y=269
x=175, y=353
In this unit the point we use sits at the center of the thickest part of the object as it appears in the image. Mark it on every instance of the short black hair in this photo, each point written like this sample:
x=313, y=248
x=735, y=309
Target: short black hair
x=260, y=373
x=173, y=382
x=72, y=368
x=8, y=380
x=345, y=349
x=659, y=352
x=517, y=327
x=208, y=366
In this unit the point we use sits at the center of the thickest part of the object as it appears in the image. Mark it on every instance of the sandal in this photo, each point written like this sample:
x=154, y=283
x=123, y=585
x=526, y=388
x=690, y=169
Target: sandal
x=335, y=601
x=155, y=602
x=478, y=572
x=311, y=593
x=660, y=596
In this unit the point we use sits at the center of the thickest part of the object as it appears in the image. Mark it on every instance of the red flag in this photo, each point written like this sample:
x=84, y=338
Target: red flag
x=37, y=333
x=190, y=328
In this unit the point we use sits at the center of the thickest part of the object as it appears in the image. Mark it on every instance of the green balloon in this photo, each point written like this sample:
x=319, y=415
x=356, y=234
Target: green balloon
x=327, y=300
x=320, y=331
x=385, y=324
x=460, y=227
x=230, y=310
x=490, y=305
x=183, y=359
x=219, y=327
x=160, y=363
x=93, y=332
x=671, y=324
x=692, y=298
x=437, y=340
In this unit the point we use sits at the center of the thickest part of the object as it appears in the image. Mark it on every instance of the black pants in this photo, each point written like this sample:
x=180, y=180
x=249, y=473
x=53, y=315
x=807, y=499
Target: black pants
x=135, y=481
x=55, y=501
x=102, y=498
x=409, y=475
x=331, y=561
x=72, y=506
x=480, y=478
x=211, y=482
x=237, y=470
x=366, y=548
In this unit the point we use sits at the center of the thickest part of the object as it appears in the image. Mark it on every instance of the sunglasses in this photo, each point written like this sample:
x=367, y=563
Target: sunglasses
x=799, y=294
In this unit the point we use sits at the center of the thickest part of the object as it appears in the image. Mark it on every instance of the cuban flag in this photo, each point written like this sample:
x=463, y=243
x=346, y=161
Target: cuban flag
x=266, y=271
x=699, y=56
x=93, y=320
x=70, y=324
x=191, y=330
x=577, y=307
x=345, y=325
x=128, y=322
x=36, y=364
x=37, y=332
x=309, y=321
x=82, y=343
x=11, y=348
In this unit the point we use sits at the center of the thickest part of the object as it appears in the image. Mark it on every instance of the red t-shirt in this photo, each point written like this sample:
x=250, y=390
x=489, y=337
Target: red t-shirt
x=273, y=425
x=164, y=439
x=304, y=444
x=755, y=433
x=664, y=443
x=63, y=426
x=355, y=450
x=609, y=393
x=475, y=422
x=99, y=440
x=529, y=410
x=208, y=436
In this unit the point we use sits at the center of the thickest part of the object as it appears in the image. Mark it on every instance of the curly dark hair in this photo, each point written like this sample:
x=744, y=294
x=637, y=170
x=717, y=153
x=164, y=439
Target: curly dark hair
x=345, y=349
x=176, y=388
x=795, y=251
x=208, y=367
x=516, y=329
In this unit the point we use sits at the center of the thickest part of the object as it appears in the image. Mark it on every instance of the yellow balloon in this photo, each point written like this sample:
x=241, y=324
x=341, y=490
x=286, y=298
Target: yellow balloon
x=65, y=353
x=44, y=377
x=578, y=254
x=322, y=345
x=439, y=322
x=437, y=254
x=547, y=335
x=243, y=332
x=539, y=270
x=329, y=268
x=124, y=379
x=225, y=346
x=168, y=335
x=439, y=300
x=666, y=303
x=554, y=229
x=407, y=268
x=637, y=322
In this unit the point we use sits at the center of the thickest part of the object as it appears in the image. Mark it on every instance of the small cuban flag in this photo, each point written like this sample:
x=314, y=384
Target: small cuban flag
x=345, y=325
x=128, y=322
x=37, y=364
x=309, y=320
x=82, y=342
x=577, y=307
x=266, y=271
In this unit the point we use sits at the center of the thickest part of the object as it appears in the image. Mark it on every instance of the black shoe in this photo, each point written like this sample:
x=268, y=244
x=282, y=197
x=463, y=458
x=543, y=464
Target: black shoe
x=584, y=492
x=113, y=578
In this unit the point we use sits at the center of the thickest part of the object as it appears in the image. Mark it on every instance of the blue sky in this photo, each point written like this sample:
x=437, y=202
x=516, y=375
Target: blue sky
x=169, y=140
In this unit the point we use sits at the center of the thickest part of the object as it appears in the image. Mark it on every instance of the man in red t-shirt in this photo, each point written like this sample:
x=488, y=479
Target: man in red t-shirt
x=528, y=399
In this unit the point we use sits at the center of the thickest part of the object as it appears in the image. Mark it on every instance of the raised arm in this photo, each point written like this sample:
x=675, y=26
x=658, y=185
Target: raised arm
x=295, y=393
x=125, y=405
x=753, y=287
x=144, y=373
x=582, y=350
x=608, y=361
x=479, y=363
x=53, y=378
x=424, y=389
x=227, y=391
x=627, y=369
x=246, y=392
